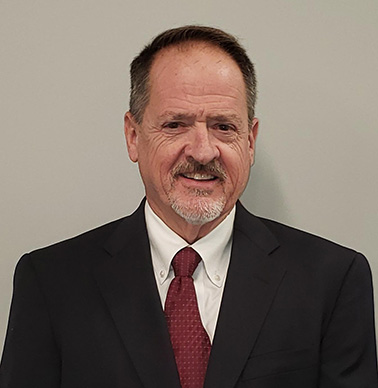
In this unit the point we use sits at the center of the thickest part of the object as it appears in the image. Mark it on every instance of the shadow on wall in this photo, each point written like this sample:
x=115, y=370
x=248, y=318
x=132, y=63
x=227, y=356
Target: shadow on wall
x=264, y=195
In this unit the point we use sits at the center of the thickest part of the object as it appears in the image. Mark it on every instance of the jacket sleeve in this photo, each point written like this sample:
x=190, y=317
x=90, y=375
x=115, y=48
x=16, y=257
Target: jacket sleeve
x=348, y=349
x=30, y=357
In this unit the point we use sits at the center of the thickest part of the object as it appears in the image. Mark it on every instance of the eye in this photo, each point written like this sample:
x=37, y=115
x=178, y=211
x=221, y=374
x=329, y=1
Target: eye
x=224, y=127
x=172, y=125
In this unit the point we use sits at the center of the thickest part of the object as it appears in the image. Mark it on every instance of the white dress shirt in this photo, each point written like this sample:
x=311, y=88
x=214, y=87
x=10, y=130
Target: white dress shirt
x=210, y=275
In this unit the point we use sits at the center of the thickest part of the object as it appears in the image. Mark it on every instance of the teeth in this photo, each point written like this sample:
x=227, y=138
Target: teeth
x=198, y=176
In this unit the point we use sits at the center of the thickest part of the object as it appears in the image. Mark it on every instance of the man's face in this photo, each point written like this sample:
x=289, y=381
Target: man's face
x=194, y=146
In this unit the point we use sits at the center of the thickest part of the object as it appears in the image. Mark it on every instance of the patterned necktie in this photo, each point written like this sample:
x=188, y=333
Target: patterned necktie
x=190, y=342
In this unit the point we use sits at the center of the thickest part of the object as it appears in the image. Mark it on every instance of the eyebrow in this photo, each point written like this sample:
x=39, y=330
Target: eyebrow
x=176, y=116
x=225, y=118
x=216, y=117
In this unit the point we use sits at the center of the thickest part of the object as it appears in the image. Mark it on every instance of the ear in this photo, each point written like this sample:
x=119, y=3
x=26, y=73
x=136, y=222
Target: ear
x=252, y=135
x=131, y=136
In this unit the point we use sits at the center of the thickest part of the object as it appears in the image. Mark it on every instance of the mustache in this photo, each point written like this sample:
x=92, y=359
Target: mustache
x=192, y=166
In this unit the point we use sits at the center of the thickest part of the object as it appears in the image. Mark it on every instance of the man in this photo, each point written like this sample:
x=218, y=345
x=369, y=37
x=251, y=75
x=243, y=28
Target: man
x=269, y=306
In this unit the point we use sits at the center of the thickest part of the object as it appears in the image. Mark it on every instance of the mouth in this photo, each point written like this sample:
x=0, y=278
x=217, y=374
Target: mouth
x=199, y=176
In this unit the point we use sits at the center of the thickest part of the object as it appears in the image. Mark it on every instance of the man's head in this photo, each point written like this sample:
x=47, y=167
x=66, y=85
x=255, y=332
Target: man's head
x=192, y=133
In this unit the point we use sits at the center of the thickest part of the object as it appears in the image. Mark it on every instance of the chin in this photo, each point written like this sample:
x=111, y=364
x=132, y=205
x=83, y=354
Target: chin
x=198, y=210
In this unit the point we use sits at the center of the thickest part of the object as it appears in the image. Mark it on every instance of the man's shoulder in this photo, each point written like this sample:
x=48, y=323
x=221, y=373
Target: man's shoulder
x=301, y=239
x=294, y=245
x=92, y=243
x=95, y=236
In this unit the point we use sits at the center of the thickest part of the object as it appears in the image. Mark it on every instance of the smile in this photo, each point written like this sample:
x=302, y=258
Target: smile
x=199, y=176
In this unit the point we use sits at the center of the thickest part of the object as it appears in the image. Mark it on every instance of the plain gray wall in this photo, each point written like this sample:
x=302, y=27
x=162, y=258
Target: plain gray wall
x=64, y=89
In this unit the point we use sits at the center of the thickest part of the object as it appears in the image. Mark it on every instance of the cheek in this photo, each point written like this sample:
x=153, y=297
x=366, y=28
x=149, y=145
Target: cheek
x=149, y=151
x=158, y=161
x=238, y=162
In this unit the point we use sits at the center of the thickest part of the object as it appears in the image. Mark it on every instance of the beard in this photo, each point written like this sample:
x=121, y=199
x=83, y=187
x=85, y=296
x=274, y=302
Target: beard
x=196, y=206
x=199, y=209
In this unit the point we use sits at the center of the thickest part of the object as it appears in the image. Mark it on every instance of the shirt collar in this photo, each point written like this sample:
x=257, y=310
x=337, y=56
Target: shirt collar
x=165, y=243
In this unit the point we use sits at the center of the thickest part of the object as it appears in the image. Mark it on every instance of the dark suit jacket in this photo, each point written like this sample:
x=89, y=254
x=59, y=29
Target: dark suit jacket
x=297, y=312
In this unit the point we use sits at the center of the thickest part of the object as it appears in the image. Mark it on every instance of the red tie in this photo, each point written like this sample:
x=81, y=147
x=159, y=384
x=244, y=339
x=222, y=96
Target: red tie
x=191, y=344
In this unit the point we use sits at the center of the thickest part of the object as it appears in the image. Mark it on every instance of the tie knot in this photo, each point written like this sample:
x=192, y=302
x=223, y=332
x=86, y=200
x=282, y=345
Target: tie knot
x=185, y=262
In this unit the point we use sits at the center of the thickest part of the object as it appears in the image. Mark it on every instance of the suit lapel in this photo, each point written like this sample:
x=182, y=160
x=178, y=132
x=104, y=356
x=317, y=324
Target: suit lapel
x=127, y=283
x=252, y=282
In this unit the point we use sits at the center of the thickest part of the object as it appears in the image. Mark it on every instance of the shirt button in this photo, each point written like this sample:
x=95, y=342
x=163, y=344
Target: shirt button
x=217, y=278
x=162, y=273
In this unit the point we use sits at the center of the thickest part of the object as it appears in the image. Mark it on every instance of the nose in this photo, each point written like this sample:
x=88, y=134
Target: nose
x=201, y=145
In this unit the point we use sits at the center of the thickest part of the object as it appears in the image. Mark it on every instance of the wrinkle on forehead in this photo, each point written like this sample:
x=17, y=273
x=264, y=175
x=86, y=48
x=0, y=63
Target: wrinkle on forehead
x=223, y=117
x=183, y=104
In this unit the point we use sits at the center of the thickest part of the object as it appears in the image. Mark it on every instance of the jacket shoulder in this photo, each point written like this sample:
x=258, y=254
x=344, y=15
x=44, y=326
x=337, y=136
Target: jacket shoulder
x=96, y=236
x=287, y=234
x=90, y=246
x=297, y=246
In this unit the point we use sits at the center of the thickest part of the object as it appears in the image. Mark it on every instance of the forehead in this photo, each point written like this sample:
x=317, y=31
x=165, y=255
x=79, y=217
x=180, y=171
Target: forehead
x=202, y=55
x=195, y=69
